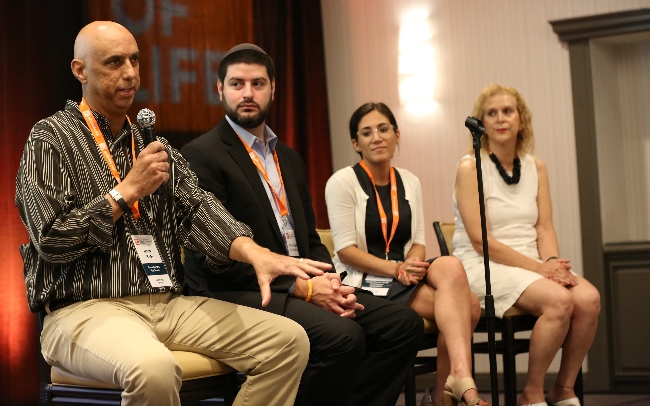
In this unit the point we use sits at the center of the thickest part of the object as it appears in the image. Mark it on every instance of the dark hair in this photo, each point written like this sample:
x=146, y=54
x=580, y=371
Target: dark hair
x=247, y=56
x=365, y=109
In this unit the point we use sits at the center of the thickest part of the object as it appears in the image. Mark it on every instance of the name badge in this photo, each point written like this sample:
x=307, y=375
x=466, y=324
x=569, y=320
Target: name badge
x=292, y=244
x=290, y=238
x=378, y=285
x=151, y=261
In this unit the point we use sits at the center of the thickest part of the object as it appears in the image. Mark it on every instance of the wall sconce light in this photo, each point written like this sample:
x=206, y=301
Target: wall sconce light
x=416, y=64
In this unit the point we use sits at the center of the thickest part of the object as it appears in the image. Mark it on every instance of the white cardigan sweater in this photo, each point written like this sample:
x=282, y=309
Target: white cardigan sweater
x=346, y=207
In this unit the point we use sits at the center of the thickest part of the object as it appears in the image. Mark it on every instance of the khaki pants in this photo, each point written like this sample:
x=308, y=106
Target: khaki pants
x=127, y=342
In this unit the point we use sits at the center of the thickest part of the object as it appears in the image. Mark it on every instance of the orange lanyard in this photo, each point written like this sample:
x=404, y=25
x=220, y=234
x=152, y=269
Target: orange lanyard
x=380, y=206
x=281, y=202
x=101, y=143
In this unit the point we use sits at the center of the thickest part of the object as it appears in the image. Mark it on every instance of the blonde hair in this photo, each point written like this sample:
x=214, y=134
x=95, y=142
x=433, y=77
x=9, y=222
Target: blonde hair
x=525, y=140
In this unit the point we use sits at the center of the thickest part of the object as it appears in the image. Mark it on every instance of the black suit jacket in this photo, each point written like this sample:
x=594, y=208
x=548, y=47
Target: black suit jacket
x=224, y=168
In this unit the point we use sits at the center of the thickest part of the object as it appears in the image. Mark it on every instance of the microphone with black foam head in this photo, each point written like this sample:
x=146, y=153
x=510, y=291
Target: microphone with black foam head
x=146, y=120
x=472, y=123
x=477, y=129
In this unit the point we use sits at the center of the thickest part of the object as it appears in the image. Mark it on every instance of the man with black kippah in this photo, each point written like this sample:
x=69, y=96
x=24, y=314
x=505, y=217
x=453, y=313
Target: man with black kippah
x=361, y=346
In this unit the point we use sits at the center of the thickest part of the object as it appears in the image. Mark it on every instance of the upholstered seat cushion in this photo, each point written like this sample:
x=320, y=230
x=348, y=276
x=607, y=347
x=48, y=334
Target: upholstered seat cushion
x=511, y=312
x=429, y=325
x=515, y=311
x=194, y=366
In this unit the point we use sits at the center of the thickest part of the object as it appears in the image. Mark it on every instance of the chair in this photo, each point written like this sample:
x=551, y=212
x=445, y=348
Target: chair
x=422, y=364
x=513, y=321
x=325, y=235
x=203, y=378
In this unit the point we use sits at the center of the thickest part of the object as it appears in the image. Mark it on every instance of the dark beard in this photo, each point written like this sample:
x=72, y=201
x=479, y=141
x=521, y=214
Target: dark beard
x=248, y=121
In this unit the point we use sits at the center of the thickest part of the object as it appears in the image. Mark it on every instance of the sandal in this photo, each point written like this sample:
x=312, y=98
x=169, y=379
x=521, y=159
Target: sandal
x=427, y=400
x=566, y=402
x=458, y=388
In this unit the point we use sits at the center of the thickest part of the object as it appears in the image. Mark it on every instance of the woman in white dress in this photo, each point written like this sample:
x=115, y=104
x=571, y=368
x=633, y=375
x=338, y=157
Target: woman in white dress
x=376, y=217
x=525, y=263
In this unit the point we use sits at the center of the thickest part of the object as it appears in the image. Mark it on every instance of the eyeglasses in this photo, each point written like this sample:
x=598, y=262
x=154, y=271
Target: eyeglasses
x=381, y=129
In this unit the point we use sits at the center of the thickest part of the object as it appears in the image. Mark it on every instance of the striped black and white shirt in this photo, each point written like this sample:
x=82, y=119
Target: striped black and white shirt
x=75, y=251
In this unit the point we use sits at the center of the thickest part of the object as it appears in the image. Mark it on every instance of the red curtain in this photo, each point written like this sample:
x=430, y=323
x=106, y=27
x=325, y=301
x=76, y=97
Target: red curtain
x=291, y=32
x=36, y=47
x=36, y=39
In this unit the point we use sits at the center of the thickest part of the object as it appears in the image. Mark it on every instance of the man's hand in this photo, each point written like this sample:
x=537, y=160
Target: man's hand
x=150, y=170
x=269, y=265
x=330, y=294
x=349, y=302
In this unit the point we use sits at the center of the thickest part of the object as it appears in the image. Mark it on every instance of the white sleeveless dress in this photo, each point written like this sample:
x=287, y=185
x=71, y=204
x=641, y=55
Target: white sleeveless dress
x=512, y=214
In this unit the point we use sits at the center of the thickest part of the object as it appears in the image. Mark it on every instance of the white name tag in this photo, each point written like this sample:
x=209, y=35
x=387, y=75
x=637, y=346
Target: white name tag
x=151, y=261
x=292, y=244
x=290, y=238
x=378, y=285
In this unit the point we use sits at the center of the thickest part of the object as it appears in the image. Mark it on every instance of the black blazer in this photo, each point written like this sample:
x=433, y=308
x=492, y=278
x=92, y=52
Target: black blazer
x=224, y=168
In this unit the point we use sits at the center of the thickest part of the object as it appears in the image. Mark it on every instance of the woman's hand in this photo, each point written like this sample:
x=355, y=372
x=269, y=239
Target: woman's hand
x=558, y=270
x=412, y=271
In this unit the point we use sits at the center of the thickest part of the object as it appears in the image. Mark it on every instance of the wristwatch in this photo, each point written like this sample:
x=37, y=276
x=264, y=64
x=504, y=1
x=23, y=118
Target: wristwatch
x=119, y=199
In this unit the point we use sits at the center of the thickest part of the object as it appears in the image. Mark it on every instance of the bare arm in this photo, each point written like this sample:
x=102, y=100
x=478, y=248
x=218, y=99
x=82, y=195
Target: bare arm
x=414, y=268
x=417, y=251
x=546, y=237
x=366, y=262
x=556, y=269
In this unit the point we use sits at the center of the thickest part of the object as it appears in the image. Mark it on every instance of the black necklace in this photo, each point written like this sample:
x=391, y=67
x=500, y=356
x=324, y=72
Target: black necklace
x=516, y=170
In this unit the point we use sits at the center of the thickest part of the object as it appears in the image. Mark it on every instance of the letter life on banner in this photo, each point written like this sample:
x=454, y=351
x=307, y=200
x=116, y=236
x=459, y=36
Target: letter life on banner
x=151, y=261
x=180, y=50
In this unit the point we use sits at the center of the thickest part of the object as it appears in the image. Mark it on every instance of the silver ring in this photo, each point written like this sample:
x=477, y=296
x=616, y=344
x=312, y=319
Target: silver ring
x=301, y=259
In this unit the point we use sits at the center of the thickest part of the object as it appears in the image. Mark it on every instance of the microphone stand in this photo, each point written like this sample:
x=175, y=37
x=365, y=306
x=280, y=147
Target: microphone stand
x=477, y=129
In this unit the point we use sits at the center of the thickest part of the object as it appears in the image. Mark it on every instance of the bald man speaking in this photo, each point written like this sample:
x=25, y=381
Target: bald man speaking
x=103, y=258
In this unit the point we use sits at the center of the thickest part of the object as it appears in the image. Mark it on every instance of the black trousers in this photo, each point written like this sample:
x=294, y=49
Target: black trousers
x=357, y=362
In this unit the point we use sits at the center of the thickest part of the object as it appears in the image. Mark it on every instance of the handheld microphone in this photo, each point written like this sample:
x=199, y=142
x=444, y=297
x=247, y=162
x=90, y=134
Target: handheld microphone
x=474, y=124
x=146, y=120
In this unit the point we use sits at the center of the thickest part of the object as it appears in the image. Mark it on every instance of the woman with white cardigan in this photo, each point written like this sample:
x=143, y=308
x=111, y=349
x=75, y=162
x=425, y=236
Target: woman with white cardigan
x=376, y=217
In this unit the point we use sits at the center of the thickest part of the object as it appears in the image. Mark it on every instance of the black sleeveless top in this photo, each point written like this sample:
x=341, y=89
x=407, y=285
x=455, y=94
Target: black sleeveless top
x=374, y=235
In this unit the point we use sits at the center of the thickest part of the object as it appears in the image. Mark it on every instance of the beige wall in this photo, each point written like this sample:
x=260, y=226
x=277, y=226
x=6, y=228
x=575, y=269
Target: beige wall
x=476, y=43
